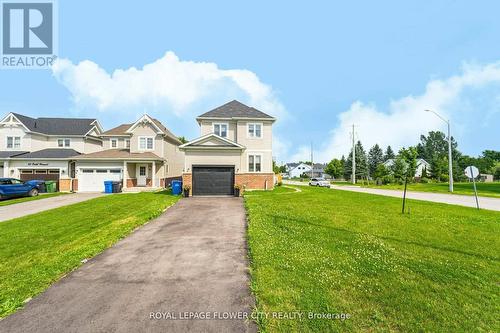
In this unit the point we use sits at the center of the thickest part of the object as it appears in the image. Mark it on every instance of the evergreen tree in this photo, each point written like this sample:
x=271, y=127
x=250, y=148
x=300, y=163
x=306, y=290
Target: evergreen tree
x=375, y=157
x=361, y=163
x=399, y=169
x=389, y=154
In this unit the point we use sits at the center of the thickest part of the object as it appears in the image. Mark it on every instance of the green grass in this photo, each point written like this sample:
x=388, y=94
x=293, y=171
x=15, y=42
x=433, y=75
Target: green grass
x=327, y=251
x=39, y=249
x=7, y=202
x=483, y=189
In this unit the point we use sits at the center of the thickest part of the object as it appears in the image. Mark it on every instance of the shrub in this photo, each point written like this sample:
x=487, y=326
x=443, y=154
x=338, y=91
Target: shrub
x=424, y=180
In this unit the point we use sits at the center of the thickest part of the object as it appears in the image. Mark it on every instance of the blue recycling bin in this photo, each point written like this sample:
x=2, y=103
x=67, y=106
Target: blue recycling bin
x=176, y=187
x=108, y=186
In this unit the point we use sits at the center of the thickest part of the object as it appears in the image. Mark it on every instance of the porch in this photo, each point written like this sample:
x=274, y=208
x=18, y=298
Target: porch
x=143, y=176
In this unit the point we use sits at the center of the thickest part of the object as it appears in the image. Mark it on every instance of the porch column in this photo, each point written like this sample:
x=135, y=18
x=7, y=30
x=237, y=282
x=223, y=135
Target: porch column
x=6, y=169
x=153, y=176
x=125, y=172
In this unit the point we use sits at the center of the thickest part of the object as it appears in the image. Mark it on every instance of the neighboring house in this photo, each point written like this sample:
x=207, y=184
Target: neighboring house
x=297, y=169
x=421, y=166
x=141, y=154
x=80, y=156
x=486, y=178
x=41, y=148
x=319, y=171
x=235, y=148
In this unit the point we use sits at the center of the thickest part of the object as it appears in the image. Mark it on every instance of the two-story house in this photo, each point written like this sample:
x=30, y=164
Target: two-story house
x=235, y=148
x=42, y=148
x=142, y=154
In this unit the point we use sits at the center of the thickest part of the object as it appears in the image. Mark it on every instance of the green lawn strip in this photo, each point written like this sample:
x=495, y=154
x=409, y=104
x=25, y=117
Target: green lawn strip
x=7, y=202
x=39, y=249
x=333, y=251
x=483, y=189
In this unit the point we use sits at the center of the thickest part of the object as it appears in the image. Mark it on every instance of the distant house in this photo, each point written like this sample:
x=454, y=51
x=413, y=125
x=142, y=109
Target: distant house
x=294, y=170
x=319, y=171
x=421, y=166
x=486, y=178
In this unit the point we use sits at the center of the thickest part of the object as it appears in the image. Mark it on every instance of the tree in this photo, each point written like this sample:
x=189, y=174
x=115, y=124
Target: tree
x=381, y=174
x=182, y=139
x=399, y=169
x=361, y=163
x=439, y=168
x=335, y=168
x=375, y=157
x=389, y=154
x=409, y=156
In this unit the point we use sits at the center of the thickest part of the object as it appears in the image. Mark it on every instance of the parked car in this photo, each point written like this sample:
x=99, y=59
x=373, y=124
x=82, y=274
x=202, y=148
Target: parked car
x=319, y=182
x=11, y=187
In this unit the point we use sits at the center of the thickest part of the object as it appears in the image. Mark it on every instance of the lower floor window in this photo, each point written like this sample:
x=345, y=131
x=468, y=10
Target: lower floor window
x=254, y=163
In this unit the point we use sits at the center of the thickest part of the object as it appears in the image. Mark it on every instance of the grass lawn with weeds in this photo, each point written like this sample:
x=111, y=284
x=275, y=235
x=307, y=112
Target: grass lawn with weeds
x=483, y=189
x=37, y=250
x=6, y=202
x=326, y=251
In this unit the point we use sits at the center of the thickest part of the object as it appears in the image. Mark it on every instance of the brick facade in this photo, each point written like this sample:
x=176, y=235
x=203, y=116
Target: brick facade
x=255, y=181
x=251, y=181
x=75, y=184
x=64, y=185
x=131, y=182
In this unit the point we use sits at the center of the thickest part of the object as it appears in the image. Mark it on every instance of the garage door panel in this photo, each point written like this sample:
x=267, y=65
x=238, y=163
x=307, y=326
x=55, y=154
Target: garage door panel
x=213, y=180
x=92, y=180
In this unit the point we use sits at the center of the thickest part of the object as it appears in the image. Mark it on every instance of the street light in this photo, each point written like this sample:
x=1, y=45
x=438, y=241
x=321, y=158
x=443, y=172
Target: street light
x=450, y=168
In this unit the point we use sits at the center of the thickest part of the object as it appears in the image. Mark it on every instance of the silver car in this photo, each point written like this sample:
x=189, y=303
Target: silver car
x=321, y=182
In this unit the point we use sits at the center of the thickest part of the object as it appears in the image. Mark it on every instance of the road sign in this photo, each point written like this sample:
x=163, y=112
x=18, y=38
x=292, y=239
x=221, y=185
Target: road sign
x=471, y=172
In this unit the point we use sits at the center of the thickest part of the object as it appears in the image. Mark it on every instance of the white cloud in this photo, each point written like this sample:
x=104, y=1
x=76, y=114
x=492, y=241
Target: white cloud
x=404, y=120
x=168, y=83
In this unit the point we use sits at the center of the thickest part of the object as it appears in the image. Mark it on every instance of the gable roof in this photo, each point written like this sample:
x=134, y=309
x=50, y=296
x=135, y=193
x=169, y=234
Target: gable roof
x=118, y=130
x=223, y=143
x=49, y=153
x=57, y=126
x=235, y=109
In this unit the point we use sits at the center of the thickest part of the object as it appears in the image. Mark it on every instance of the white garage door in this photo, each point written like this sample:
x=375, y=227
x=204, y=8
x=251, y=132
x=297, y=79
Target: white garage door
x=92, y=180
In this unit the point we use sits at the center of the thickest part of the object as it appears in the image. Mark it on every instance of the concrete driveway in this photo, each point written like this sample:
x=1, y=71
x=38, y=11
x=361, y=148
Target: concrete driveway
x=32, y=207
x=192, y=259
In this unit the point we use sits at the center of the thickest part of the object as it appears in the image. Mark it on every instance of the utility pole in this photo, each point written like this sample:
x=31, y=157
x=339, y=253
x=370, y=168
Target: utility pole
x=312, y=163
x=353, y=156
x=450, y=163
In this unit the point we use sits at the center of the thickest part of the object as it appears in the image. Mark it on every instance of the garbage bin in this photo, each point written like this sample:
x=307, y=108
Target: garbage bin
x=50, y=186
x=40, y=184
x=108, y=186
x=117, y=187
x=176, y=187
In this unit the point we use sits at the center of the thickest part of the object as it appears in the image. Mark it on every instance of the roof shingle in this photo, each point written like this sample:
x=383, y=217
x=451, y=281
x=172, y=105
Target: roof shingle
x=57, y=126
x=119, y=154
x=49, y=153
x=235, y=109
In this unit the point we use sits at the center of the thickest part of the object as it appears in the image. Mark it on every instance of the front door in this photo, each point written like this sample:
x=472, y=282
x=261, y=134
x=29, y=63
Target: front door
x=142, y=171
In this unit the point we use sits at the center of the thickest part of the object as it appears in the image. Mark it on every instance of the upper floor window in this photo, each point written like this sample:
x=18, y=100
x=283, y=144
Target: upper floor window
x=127, y=143
x=254, y=130
x=114, y=143
x=254, y=163
x=62, y=143
x=13, y=142
x=220, y=130
x=146, y=143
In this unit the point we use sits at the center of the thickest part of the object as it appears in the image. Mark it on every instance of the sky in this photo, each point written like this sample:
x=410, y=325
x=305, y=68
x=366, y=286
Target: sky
x=319, y=67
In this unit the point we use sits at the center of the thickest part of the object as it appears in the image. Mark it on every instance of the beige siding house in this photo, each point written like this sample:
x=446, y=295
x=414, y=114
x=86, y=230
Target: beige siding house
x=235, y=148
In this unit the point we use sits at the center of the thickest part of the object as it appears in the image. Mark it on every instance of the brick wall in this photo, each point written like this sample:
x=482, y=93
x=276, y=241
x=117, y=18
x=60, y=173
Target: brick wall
x=75, y=185
x=255, y=181
x=187, y=179
x=131, y=182
x=65, y=185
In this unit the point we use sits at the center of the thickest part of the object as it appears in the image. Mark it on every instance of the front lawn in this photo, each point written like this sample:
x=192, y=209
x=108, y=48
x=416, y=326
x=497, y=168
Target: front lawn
x=38, y=249
x=12, y=201
x=483, y=189
x=325, y=251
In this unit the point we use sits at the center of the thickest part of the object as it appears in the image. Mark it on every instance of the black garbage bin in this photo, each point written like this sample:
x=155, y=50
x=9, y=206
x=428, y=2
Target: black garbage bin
x=117, y=187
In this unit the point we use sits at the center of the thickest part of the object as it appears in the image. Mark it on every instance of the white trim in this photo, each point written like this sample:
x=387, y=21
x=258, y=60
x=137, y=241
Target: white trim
x=206, y=136
x=227, y=129
x=13, y=142
x=145, y=137
x=64, y=142
x=144, y=118
x=261, y=131
x=12, y=123
x=261, y=162
x=111, y=143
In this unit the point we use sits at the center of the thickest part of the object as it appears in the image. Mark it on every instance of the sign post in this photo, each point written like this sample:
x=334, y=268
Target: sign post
x=472, y=172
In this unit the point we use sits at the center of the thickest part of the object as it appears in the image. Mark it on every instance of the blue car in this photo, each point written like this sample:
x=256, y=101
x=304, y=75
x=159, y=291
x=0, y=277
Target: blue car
x=11, y=187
